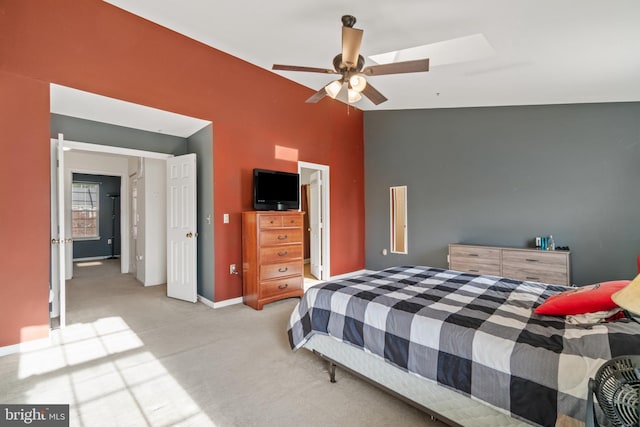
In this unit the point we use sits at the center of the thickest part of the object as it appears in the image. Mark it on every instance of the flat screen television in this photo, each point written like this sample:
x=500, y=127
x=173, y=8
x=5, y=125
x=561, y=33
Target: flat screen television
x=275, y=190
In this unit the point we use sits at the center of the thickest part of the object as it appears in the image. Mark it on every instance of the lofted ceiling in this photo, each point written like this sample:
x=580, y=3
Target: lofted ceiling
x=482, y=53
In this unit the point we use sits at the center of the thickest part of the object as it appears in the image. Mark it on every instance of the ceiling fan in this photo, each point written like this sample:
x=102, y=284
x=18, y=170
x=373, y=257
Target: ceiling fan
x=349, y=65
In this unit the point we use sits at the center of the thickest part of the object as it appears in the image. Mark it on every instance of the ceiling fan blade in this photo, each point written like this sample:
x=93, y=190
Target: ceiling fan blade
x=415, y=66
x=373, y=94
x=351, y=41
x=316, y=96
x=298, y=68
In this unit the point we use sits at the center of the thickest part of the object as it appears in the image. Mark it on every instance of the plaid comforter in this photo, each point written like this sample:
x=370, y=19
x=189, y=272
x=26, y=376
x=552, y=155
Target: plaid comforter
x=474, y=334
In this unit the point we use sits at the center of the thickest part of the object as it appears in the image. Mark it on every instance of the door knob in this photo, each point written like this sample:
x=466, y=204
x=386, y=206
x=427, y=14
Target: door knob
x=55, y=241
x=189, y=234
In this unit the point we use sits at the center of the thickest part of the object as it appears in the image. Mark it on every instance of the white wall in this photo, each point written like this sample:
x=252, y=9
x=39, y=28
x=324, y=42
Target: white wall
x=151, y=244
x=97, y=164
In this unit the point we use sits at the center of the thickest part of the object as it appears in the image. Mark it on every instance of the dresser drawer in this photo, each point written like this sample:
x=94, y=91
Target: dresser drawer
x=267, y=221
x=475, y=267
x=280, y=254
x=280, y=236
x=273, y=271
x=292, y=221
x=271, y=221
x=474, y=259
x=536, y=266
x=280, y=286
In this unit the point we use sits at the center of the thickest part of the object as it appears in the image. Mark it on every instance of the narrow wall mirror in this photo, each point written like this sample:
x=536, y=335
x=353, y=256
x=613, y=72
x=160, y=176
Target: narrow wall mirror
x=399, y=219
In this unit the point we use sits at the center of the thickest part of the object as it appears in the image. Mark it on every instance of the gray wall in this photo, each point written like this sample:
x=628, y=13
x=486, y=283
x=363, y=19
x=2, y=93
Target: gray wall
x=502, y=175
x=101, y=247
x=81, y=130
x=201, y=143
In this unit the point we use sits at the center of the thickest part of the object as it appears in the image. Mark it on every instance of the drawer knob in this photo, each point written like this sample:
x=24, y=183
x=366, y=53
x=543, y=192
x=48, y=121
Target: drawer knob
x=531, y=260
x=285, y=253
x=281, y=237
x=473, y=254
x=285, y=286
x=283, y=269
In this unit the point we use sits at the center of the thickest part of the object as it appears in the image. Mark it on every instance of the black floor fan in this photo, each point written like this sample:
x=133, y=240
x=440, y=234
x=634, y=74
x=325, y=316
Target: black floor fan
x=617, y=388
x=114, y=206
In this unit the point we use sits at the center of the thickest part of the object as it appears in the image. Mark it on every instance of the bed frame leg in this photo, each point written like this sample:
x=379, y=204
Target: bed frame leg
x=332, y=372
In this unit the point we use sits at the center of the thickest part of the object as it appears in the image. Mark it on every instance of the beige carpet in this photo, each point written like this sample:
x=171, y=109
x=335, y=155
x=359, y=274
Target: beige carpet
x=130, y=356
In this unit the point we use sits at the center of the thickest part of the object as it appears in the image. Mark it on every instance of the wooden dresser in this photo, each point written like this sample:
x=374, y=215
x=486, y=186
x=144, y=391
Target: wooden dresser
x=272, y=256
x=521, y=264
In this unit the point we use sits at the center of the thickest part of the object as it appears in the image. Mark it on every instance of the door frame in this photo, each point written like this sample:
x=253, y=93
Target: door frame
x=325, y=234
x=124, y=187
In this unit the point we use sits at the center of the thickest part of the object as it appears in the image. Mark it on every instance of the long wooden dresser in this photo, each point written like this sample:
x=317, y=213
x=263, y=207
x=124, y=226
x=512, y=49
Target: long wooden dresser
x=515, y=263
x=272, y=256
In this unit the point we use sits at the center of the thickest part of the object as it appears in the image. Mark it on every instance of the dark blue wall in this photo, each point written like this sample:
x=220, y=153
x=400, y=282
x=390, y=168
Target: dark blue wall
x=109, y=185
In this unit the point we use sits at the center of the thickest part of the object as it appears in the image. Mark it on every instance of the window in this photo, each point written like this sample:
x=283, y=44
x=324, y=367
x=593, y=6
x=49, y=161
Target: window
x=85, y=210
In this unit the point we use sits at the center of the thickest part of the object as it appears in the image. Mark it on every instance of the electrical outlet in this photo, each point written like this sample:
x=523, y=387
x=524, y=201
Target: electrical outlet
x=232, y=269
x=108, y=241
x=225, y=218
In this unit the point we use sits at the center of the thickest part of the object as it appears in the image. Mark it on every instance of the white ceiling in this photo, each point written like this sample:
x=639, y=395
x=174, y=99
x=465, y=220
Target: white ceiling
x=77, y=103
x=536, y=51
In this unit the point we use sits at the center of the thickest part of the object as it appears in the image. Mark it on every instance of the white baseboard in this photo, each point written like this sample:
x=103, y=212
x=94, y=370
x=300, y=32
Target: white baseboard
x=25, y=346
x=220, y=304
x=95, y=258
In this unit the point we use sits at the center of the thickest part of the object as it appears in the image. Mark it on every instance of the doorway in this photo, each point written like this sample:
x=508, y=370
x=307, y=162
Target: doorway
x=108, y=160
x=314, y=181
x=95, y=216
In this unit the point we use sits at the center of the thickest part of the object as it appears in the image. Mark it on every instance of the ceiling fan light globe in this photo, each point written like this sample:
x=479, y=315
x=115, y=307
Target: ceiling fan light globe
x=333, y=88
x=353, y=96
x=357, y=82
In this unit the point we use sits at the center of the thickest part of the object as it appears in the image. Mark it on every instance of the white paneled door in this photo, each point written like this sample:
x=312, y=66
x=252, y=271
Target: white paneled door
x=181, y=228
x=58, y=237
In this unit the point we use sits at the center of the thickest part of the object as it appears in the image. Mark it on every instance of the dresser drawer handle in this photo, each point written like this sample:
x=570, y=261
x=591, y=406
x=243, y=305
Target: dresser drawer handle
x=473, y=255
x=281, y=237
x=285, y=253
x=474, y=271
x=293, y=221
x=285, y=286
x=283, y=270
x=533, y=278
x=532, y=260
x=272, y=222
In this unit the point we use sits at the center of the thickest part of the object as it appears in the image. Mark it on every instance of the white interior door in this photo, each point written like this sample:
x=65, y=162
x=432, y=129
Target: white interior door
x=181, y=228
x=58, y=240
x=315, y=223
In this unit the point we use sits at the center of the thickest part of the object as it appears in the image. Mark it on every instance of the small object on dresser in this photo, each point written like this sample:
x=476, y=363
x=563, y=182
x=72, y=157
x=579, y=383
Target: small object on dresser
x=543, y=243
x=552, y=245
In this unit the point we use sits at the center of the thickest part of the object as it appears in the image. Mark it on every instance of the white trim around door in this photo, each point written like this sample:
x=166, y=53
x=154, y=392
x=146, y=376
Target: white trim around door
x=325, y=215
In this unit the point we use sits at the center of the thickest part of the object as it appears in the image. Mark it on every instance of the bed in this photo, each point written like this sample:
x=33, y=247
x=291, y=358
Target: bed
x=466, y=348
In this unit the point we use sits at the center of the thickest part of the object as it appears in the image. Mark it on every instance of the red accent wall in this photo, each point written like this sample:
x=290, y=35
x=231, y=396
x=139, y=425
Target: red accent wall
x=96, y=47
x=24, y=209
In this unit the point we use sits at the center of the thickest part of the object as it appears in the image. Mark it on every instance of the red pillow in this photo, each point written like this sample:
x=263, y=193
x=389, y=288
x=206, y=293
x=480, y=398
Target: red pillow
x=583, y=299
